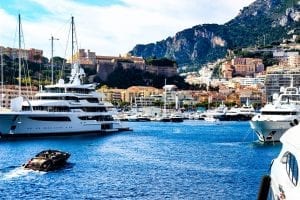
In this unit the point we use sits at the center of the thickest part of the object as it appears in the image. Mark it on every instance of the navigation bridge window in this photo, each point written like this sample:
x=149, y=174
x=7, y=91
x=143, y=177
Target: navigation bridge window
x=97, y=118
x=47, y=108
x=93, y=109
x=51, y=119
x=68, y=90
x=79, y=90
x=290, y=98
x=92, y=100
x=291, y=166
x=59, y=98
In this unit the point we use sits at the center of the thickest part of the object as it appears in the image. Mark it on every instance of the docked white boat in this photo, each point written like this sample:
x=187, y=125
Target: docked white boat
x=210, y=119
x=60, y=109
x=216, y=113
x=276, y=117
x=283, y=181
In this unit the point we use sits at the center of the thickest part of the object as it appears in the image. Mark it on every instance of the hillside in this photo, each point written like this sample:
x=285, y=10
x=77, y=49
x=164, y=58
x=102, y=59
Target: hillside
x=262, y=22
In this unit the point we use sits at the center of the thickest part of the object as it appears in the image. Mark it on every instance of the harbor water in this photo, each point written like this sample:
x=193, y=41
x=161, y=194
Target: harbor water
x=157, y=160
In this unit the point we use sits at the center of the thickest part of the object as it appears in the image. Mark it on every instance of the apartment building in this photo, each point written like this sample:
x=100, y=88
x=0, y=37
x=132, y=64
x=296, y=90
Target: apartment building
x=12, y=91
x=294, y=61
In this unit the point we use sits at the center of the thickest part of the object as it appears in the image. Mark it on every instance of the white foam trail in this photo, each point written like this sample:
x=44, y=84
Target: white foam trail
x=19, y=172
x=14, y=173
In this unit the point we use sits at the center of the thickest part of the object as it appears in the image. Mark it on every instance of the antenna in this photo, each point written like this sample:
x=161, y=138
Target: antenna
x=52, y=38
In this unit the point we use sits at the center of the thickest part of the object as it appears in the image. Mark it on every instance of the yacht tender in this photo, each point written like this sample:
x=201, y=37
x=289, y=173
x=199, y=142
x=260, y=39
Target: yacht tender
x=47, y=160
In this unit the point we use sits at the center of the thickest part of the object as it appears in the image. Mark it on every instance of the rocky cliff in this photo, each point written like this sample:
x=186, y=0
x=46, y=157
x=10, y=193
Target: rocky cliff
x=262, y=22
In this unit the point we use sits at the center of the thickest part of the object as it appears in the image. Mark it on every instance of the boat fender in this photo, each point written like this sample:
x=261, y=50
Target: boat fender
x=264, y=188
x=296, y=122
x=291, y=124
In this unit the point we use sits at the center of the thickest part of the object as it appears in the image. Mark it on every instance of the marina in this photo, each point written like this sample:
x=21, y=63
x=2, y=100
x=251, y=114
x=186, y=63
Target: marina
x=157, y=160
x=211, y=112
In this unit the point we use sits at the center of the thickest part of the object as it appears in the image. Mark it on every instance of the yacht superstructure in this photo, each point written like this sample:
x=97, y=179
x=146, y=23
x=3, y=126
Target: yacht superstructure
x=276, y=117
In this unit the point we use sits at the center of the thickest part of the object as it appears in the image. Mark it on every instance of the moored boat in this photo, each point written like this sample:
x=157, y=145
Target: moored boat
x=60, y=109
x=283, y=181
x=276, y=117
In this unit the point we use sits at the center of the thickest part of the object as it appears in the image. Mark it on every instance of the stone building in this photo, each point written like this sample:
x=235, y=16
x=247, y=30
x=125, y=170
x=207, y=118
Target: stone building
x=247, y=66
x=107, y=64
x=32, y=55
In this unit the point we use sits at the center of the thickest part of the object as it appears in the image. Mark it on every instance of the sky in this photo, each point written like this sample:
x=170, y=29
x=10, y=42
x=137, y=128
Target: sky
x=107, y=27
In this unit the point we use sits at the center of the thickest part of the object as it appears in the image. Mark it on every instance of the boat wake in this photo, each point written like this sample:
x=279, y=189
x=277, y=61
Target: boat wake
x=13, y=172
x=229, y=144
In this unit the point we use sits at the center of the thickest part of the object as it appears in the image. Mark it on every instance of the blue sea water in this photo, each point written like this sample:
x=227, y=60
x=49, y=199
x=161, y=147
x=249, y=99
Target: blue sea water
x=189, y=160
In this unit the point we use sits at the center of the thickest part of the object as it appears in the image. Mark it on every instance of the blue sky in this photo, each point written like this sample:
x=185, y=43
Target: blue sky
x=108, y=27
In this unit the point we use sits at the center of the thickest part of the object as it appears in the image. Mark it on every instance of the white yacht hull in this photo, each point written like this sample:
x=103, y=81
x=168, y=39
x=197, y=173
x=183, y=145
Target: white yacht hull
x=36, y=124
x=284, y=173
x=271, y=129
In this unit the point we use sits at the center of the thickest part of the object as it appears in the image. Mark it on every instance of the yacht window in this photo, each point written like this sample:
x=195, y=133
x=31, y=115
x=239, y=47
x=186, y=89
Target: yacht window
x=72, y=98
x=46, y=108
x=58, y=119
x=97, y=118
x=92, y=100
x=291, y=167
x=78, y=90
x=278, y=113
x=93, y=109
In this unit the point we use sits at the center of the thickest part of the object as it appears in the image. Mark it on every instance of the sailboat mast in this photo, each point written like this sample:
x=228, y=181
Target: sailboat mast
x=165, y=97
x=52, y=38
x=72, y=27
x=19, y=55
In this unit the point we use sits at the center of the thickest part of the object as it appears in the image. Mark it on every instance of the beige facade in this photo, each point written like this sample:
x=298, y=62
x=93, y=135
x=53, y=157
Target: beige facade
x=12, y=91
x=294, y=61
x=227, y=70
x=242, y=67
x=140, y=91
x=32, y=55
x=113, y=94
x=247, y=66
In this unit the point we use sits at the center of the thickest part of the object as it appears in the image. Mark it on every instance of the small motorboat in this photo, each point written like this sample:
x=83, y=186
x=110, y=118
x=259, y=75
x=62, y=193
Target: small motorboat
x=47, y=160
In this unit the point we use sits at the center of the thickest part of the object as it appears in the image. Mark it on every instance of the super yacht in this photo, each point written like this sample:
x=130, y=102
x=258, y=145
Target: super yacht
x=70, y=108
x=276, y=117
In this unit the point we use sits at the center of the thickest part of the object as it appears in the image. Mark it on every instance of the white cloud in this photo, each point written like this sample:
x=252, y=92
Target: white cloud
x=117, y=28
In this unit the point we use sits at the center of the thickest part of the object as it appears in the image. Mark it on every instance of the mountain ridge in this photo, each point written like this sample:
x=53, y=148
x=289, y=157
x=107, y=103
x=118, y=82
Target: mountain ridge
x=263, y=21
